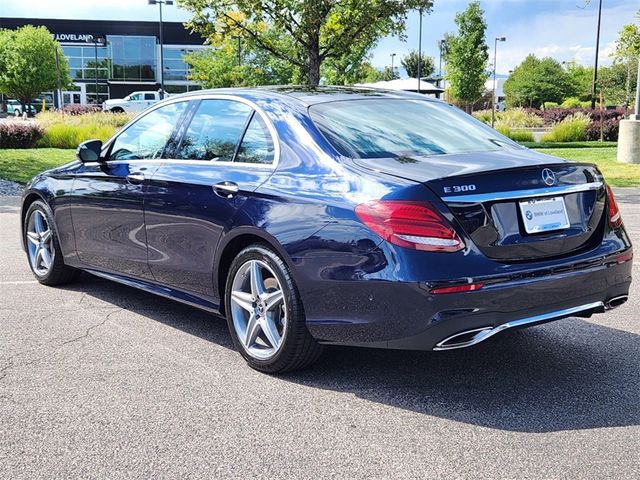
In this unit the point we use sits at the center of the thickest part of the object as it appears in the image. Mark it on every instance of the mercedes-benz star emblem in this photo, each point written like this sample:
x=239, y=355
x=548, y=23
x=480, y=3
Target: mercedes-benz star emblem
x=548, y=177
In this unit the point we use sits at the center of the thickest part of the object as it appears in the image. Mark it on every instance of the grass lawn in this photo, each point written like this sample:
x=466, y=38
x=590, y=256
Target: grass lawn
x=22, y=165
x=616, y=174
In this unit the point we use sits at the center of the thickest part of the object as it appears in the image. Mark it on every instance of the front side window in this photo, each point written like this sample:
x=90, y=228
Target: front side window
x=136, y=97
x=148, y=136
x=215, y=131
x=257, y=144
x=379, y=128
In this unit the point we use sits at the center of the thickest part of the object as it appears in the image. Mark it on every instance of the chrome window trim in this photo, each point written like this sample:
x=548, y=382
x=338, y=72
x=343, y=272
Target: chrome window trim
x=210, y=96
x=527, y=193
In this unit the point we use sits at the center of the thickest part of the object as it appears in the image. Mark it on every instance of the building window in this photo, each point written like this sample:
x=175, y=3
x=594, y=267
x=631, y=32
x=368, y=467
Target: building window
x=133, y=58
x=82, y=62
x=175, y=68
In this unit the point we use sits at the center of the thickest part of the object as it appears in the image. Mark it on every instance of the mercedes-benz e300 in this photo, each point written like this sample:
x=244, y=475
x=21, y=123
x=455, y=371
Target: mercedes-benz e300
x=332, y=216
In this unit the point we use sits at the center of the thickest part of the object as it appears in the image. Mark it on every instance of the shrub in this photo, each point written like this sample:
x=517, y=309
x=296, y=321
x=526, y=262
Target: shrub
x=572, y=129
x=518, y=118
x=76, y=109
x=610, y=129
x=19, y=134
x=115, y=120
x=516, y=135
x=70, y=136
x=573, y=102
x=67, y=130
x=548, y=105
x=483, y=116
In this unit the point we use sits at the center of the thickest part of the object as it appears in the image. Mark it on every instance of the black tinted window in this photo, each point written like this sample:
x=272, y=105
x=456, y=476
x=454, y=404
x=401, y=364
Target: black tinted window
x=149, y=96
x=215, y=131
x=148, y=136
x=257, y=144
x=377, y=128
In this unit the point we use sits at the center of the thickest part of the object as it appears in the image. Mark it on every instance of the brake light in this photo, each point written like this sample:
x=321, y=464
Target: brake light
x=416, y=225
x=615, y=219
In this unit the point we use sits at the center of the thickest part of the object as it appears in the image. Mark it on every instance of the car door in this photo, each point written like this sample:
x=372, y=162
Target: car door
x=192, y=199
x=136, y=102
x=108, y=196
x=149, y=99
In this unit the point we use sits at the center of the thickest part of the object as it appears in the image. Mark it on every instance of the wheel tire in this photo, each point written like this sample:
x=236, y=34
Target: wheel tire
x=298, y=349
x=117, y=110
x=58, y=273
x=16, y=113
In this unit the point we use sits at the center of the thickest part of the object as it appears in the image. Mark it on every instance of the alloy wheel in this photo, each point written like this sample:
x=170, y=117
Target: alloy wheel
x=40, y=243
x=258, y=309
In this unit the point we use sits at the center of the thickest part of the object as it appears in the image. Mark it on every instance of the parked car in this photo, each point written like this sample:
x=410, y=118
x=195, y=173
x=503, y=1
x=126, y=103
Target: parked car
x=14, y=107
x=135, y=102
x=332, y=216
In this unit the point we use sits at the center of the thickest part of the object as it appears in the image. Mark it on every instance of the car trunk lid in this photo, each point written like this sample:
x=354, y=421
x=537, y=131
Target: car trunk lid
x=492, y=195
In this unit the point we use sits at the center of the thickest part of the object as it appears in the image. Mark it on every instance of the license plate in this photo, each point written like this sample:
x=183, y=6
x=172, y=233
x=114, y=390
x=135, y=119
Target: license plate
x=544, y=215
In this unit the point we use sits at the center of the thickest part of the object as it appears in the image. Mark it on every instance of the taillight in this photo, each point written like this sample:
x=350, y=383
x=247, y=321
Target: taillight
x=615, y=219
x=415, y=225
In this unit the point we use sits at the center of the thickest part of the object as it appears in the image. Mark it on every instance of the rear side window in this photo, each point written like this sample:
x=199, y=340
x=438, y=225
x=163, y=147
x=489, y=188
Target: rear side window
x=215, y=131
x=149, y=96
x=148, y=136
x=257, y=144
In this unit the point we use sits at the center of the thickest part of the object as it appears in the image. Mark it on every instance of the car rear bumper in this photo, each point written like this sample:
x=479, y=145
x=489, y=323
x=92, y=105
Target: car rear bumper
x=402, y=315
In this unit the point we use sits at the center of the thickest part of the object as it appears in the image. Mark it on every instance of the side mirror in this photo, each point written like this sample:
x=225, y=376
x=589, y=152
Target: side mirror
x=89, y=151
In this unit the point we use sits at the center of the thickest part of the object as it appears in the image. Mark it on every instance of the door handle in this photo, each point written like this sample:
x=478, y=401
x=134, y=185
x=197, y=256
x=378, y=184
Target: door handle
x=226, y=189
x=135, y=178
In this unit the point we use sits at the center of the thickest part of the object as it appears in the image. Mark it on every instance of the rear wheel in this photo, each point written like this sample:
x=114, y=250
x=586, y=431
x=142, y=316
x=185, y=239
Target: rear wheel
x=43, y=249
x=265, y=314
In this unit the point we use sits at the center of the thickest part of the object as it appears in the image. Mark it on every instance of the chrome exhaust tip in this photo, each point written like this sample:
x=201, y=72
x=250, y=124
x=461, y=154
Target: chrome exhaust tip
x=615, y=301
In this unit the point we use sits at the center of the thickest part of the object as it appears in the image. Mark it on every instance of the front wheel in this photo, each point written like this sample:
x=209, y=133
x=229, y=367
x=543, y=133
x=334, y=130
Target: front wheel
x=43, y=249
x=265, y=313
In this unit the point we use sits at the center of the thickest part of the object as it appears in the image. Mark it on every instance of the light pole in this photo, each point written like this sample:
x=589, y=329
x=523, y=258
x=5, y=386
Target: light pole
x=160, y=3
x=493, y=96
x=393, y=56
x=420, y=52
x=101, y=41
x=595, y=67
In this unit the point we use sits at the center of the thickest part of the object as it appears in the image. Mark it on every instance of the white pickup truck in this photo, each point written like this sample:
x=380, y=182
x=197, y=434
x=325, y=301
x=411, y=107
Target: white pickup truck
x=135, y=102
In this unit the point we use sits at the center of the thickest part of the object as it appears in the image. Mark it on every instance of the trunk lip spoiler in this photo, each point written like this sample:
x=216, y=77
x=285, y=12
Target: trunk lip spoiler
x=526, y=193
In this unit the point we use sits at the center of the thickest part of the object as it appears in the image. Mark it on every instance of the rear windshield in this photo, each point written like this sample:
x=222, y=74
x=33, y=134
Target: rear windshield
x=381, y=128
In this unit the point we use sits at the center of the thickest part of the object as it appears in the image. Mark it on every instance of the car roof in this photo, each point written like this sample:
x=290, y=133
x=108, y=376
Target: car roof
x=308, y=96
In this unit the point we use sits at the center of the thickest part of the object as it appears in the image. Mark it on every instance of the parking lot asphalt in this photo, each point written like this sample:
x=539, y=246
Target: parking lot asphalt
x=99, y=380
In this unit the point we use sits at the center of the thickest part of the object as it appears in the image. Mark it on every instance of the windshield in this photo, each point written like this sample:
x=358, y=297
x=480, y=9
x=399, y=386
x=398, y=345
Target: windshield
x=380, y=128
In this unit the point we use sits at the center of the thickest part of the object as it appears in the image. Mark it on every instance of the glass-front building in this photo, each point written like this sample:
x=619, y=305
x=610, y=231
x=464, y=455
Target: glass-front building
x=122, y=56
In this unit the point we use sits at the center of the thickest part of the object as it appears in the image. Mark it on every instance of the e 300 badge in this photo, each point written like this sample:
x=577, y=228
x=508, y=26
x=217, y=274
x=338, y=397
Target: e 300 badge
x=459, y=188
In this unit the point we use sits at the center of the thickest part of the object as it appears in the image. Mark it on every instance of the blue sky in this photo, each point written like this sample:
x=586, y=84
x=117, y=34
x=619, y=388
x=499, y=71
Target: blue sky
x=563, y=29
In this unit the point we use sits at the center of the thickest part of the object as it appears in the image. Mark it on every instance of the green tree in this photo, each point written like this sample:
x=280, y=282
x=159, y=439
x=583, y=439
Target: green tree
x=319, y=30
x=467, y=55
x=219, y=67
x=536, y=81
x=410, y=64
x=626, y=53
x=581, y=78
x=614, y=83
x=28, y=63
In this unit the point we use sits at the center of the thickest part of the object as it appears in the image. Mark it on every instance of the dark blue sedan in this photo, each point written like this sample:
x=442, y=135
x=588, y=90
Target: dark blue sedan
x=332, y=216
